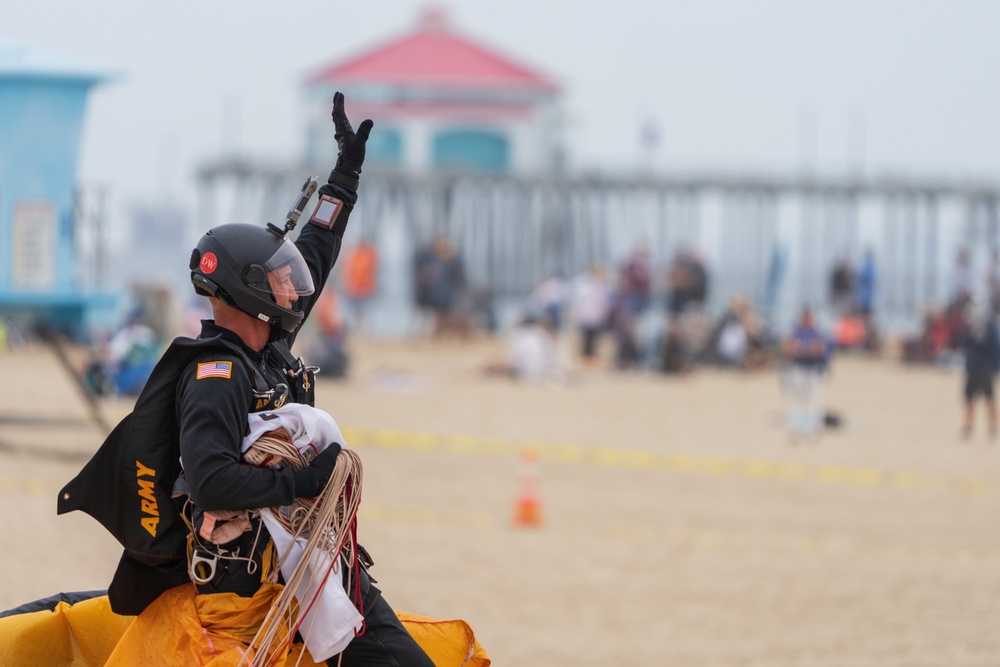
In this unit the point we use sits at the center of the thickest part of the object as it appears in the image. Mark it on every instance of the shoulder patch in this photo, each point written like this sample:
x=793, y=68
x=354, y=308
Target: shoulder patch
x=214, y=369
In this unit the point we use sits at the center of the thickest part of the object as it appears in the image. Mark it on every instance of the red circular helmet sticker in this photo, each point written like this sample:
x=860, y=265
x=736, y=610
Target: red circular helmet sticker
x=209, y=262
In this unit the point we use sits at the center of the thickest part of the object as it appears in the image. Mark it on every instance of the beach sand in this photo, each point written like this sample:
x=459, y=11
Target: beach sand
x=681, y=525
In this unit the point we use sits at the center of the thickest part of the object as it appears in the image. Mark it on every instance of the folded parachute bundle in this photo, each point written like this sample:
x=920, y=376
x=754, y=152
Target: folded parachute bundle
x=310, y=535
x=183, y=629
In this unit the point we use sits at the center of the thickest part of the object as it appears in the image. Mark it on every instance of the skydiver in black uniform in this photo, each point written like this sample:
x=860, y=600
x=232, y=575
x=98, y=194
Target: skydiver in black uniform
x=261, y=287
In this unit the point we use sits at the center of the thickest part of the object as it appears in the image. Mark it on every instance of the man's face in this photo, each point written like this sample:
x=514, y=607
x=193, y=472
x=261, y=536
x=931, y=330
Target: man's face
x=282, y=287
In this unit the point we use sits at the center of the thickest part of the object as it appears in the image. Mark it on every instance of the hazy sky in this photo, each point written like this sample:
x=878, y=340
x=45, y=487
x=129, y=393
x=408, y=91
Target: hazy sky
x=737, y=85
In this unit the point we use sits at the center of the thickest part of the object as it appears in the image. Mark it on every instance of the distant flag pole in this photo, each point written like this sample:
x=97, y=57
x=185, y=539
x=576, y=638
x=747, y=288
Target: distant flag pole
x=649, y=142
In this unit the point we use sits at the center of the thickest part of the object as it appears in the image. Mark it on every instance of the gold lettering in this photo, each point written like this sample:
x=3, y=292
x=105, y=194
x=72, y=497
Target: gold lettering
x=261, y=402
x=150, y=525
x=147, y=498
x=146, y=490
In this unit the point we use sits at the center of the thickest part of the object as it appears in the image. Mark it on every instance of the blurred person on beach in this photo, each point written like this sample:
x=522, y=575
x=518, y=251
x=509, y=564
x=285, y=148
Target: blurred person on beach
x=849, y=332
x=673, y=357
x=636, y=281
x=687, y=283
x=807, y=355
x=842, y=285
x=479, y=310
x=865, y=285
x=628, y=341
x=961, y=279
x=861, y=320
x=981, y=347
x=631, y=298
x=444, y=276
x=687, y=294
x=261, y=287
x=930, y=345
x=739, y=339
x=590, y=308
x=941, y=338
x=359, y=277
x=131, y=355
x=697, y=267
x=421, y=275
x=120, y=364
x=329, y=350
x=549, y=298
x=533, y=353
x=679, y=284
x=852, y=298
x=531, y=350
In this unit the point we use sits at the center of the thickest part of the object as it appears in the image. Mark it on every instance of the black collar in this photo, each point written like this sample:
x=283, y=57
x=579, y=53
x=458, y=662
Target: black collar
x=209, y=329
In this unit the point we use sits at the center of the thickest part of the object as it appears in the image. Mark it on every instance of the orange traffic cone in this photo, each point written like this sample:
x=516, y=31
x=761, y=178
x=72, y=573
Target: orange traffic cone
x=528, y=505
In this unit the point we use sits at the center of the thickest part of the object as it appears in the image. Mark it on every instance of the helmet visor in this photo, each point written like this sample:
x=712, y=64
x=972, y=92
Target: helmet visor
x=286, y=276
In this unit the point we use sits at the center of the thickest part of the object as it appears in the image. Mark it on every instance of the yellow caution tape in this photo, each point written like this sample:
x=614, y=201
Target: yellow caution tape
x=679, y=463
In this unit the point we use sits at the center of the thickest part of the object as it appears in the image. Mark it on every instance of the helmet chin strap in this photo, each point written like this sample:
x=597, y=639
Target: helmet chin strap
x=276, y=332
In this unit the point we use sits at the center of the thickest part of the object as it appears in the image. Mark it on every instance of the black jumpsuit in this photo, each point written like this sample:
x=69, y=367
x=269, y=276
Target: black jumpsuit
x=212, y=419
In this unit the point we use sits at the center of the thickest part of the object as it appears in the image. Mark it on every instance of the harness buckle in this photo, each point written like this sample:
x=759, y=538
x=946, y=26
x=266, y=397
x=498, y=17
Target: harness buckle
x=272, y=399
x=203, y=566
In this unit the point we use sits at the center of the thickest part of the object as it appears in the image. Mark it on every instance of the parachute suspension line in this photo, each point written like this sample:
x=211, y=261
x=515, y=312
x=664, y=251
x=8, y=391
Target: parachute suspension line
x=328, y=523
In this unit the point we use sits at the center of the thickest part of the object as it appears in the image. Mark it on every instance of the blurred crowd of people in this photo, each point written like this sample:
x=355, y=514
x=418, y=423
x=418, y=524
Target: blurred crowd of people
x=608, y=314
x=619, y=324
x=634, y=316
x=627, y=320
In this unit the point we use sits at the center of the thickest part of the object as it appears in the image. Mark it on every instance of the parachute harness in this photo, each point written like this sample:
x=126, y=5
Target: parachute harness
x=203, y=560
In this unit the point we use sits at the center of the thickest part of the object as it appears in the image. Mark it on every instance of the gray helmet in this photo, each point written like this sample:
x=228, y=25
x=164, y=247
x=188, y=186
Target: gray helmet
x=243, y=264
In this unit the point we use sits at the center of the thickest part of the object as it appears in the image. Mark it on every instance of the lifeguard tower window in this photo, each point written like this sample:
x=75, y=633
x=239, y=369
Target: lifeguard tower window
x=385, y=147
x=471, y=149
x=35, y=239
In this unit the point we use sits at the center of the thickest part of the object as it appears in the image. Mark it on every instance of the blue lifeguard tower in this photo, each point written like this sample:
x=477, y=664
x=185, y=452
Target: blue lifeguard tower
x=42, y=103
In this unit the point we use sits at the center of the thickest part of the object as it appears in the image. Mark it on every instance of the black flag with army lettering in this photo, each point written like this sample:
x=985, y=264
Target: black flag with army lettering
x=127, y=484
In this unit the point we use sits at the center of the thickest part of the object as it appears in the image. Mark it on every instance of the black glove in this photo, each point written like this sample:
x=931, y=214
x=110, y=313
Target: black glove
x=351, y=146
x=309, y=482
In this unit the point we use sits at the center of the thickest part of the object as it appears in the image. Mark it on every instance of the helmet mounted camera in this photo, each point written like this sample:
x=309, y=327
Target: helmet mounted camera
x=256, y=270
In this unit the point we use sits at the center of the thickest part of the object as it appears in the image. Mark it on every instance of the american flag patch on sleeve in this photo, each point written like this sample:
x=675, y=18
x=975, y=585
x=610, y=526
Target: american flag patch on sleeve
x=214, y=369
